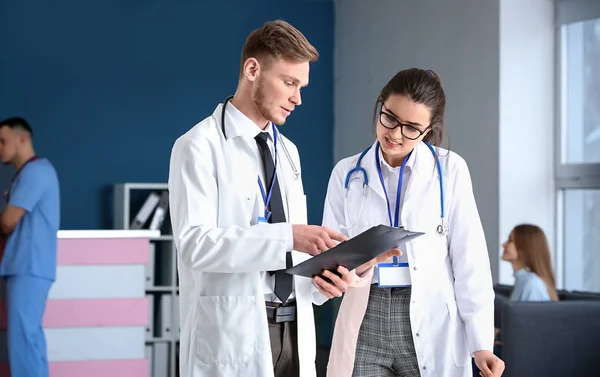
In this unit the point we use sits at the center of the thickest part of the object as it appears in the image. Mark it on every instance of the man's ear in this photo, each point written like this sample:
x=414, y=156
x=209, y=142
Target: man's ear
x=23, y=136
x=251, y=69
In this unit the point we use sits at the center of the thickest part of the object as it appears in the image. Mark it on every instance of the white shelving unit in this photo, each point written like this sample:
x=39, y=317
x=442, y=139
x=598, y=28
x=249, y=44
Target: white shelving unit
x=162, y=286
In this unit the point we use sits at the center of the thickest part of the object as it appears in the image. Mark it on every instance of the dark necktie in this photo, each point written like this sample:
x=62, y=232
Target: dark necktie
x=283, y=280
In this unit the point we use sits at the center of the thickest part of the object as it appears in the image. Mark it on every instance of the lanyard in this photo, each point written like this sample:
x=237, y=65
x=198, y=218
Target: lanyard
x=397, y=211
x=267, y=197
x=398, y=193
x=7, y=194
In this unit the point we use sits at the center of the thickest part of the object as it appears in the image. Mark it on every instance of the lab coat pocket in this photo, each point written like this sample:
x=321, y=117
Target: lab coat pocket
x=458, y=339
x=226, y=329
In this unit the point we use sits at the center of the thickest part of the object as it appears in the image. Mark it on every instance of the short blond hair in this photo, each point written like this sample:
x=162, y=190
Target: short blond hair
x=277, y=40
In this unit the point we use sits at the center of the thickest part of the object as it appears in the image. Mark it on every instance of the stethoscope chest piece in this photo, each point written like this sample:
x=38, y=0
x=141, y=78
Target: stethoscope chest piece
x=443, y=228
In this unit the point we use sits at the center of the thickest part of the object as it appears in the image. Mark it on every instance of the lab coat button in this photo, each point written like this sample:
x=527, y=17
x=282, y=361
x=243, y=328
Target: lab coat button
x=415, y=268
x=418, y=335
x=424, y=367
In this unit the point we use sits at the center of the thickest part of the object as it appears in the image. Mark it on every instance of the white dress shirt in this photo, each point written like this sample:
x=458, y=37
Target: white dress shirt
x=259, y=208
x=390, y=177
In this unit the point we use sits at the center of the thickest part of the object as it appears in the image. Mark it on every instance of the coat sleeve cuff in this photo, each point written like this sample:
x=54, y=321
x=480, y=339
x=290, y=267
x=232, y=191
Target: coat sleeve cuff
x=289, y=238
x=317, y=297
x=480, y=340
x=363, y=280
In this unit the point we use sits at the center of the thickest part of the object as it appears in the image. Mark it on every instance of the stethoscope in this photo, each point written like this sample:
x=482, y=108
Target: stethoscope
x=442, y=229
x=280, y=140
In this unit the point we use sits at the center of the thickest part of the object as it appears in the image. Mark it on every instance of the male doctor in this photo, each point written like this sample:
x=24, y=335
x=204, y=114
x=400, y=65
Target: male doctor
x=238, y=212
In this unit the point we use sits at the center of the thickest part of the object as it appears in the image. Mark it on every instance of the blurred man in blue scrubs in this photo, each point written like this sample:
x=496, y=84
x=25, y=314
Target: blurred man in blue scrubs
x=29, y=223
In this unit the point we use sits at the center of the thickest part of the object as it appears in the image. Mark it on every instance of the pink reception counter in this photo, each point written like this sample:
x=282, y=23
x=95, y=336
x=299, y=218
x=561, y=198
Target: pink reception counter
x=97, y=311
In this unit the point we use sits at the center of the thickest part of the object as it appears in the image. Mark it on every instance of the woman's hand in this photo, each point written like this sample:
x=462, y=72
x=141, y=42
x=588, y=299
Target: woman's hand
x=338, y=282
x=360, y=270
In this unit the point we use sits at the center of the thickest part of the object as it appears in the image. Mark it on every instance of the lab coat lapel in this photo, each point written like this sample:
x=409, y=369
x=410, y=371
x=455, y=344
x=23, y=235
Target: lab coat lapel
x=232, y=127
x=288, y=184
x=419, y=197
x=237, y=129
x=240, y=133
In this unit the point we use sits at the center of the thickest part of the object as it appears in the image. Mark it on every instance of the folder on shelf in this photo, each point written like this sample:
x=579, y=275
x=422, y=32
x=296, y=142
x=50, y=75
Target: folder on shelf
x=160, y=211
x=150, y=266
x=176, y=325
x=150, y=327
x=160, y=360
x=144, y=213
x=166, y=322
x=355, y=251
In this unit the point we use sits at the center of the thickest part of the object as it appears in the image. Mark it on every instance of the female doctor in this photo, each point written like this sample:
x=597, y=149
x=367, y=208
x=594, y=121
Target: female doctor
x=430, y=310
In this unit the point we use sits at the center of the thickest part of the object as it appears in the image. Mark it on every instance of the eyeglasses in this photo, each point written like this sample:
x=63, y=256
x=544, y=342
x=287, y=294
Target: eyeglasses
x=391, y=122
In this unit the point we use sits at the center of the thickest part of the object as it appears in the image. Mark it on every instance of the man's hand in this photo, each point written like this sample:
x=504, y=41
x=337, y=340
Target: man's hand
x=313, y=239
x=489, y=364
x=10, y=217
x=338, y=284
x=380, y=259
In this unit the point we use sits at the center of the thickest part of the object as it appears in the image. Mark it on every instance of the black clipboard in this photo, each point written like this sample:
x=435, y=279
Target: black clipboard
x=355, y=251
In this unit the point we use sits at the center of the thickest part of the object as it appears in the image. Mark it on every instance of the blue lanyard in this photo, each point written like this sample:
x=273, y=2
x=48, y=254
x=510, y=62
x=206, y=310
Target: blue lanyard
x=267, y=198
x=397, y=212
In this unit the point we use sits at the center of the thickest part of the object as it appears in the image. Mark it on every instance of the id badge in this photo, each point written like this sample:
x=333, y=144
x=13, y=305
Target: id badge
x=393, y=275
x=265, y=218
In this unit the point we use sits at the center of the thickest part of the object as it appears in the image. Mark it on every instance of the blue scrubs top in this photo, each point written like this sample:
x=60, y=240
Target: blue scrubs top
x=31, y=248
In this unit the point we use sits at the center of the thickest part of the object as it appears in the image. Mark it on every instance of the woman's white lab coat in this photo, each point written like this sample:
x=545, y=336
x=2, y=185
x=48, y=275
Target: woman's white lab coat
x=213, y=188
x=451, y=307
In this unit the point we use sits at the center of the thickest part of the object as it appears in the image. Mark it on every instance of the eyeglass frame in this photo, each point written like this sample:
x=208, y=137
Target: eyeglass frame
x=401, y=125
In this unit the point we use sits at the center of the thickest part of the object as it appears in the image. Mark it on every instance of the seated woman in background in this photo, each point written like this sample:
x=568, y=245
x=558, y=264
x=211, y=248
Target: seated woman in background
x=528, y=252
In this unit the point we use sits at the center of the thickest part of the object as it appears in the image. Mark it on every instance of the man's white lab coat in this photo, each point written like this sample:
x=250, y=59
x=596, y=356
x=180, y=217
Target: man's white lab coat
x=212, y=190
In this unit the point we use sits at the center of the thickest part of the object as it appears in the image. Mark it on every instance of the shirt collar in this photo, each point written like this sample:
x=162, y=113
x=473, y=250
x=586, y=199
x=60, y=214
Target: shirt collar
x=521, y=273
x=243, y=125
x=385, y=165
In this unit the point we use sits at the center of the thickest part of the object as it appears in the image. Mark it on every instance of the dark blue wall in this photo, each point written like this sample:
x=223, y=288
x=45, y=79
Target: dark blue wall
x=109, y=86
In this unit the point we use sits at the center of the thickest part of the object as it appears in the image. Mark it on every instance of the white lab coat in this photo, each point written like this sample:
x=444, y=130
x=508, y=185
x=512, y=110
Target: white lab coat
x=452, y=300
x=213, y=188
